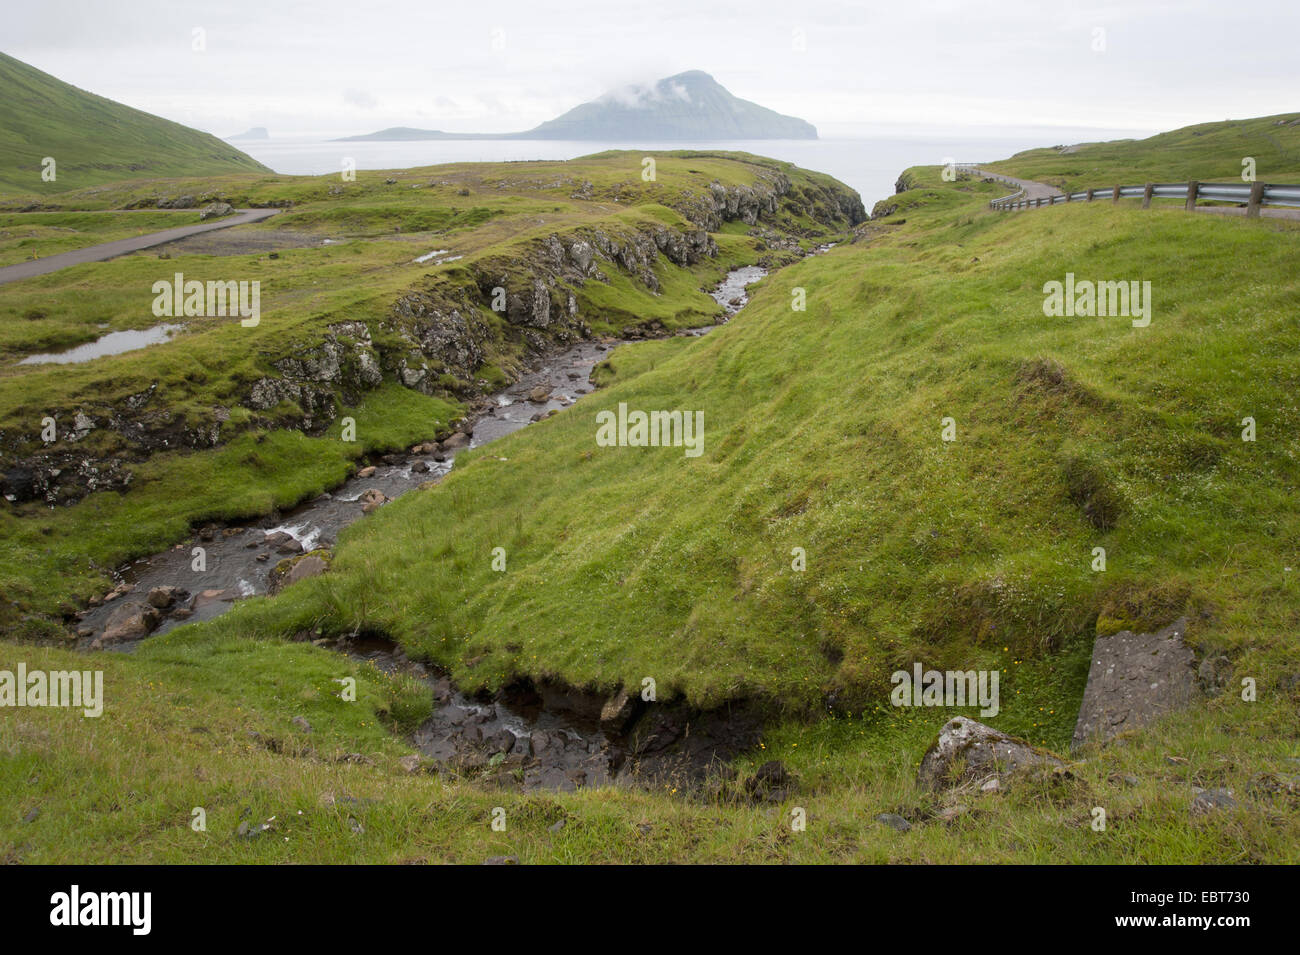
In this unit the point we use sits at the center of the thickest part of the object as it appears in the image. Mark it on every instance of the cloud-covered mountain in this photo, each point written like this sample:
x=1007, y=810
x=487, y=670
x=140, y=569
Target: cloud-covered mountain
x=690, y=106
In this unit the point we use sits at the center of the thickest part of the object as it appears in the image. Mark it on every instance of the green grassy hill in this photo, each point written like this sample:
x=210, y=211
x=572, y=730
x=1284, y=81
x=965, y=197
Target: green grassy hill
x=1209, y=152
x=823, y=430
x=92, y=139
x=497, y=218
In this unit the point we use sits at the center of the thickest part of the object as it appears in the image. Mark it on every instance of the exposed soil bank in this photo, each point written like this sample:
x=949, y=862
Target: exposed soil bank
x=561, y=738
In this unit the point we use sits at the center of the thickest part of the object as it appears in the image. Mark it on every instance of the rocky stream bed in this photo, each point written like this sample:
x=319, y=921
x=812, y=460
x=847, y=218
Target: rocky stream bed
x=527, y=736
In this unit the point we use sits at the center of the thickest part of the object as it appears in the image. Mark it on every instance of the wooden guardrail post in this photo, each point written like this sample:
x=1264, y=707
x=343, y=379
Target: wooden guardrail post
x=1090, y=195
x=1146, y=195
x=1256, y=197
x=1067, y=197
x=1193, y=190
x=1114, y=196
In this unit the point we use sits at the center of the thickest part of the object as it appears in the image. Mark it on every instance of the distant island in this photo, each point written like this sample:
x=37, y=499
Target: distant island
x=690, y=106
x=257, y=132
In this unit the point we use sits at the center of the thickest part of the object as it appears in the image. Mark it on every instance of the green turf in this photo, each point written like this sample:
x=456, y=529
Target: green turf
x=1209, y=152
x=823, y=431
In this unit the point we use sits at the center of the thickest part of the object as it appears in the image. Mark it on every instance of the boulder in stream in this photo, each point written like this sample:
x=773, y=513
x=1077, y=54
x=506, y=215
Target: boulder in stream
x=132, y=620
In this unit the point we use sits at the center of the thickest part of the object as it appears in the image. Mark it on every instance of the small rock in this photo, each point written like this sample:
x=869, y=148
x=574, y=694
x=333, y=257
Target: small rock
x=368, y=471
x=501, y=860
x=540, y=395
x=163, y=597
x=619, y=710
x=130, y=621
x=410, y=763
x=993, y=785
x=949, y=813
x=894, y=821
x=313, y=565
x=966, y=751
x=216, y=211
x=301, y=723
x=1211, y=800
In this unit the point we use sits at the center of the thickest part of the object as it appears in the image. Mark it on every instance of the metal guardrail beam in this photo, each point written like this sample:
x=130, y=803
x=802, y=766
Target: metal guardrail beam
x=1252, y=195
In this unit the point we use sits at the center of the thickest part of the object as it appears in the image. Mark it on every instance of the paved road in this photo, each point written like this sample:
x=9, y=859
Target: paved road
x=1033, y=190
x=110, y=250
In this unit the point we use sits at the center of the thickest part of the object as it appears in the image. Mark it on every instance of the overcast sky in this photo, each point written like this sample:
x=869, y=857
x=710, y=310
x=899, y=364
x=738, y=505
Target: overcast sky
x=334, y=67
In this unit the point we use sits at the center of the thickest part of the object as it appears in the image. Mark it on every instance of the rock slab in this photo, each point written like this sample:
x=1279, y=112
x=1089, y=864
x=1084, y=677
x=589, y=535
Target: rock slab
x=1135, y=679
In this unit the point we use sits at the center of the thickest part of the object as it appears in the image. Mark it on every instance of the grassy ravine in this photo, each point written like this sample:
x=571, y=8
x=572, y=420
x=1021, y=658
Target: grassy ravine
x=492, y=215
x=822, y=431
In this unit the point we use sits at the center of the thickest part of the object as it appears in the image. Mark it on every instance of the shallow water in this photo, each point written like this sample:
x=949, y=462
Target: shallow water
x=114, y=343
x=239, y=559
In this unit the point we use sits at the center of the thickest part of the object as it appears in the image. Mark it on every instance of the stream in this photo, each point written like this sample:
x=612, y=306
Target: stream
x=530, y=737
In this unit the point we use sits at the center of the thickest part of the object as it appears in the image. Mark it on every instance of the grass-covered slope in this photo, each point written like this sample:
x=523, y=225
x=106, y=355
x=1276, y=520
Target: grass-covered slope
x=823, y=431
x=1208, y=152
x=92, y=139
x=494, y=220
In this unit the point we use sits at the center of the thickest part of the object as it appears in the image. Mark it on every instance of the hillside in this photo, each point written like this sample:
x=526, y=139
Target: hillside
x=429, y=332
x=1207, y=151
x=92, y=139
x=823, y=431
x=690, y=106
